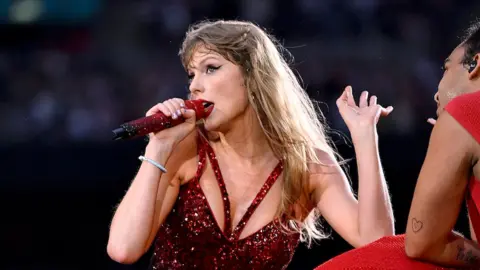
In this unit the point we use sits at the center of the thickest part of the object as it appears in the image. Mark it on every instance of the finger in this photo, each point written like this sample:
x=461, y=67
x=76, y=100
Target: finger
x=160, y=107
x=363, y=102
x=432, y=121
x=173, y=107
x=343, y=98
x=373, y=100
x=180, y=102
x=350, y=99
x=188, y=114
x=386, y=111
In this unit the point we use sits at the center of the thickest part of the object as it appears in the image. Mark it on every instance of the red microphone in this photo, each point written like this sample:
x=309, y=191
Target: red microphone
x=159, y=121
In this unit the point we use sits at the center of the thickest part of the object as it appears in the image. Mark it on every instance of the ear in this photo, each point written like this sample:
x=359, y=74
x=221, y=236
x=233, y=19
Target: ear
x=474, y=68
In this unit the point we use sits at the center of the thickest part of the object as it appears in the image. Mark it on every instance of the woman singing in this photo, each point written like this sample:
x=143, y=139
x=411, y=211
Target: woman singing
x=244, y=187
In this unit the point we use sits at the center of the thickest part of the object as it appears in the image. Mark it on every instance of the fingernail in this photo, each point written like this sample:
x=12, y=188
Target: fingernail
x=182, y=105
x=174, y=116
x=178, y=112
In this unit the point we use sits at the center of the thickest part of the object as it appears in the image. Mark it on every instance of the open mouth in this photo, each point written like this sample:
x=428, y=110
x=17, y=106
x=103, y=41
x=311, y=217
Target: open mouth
x=208, y=107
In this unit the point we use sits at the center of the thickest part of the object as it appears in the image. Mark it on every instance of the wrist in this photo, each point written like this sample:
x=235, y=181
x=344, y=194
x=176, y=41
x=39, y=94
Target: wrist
x=158, y=150
x=365, y=136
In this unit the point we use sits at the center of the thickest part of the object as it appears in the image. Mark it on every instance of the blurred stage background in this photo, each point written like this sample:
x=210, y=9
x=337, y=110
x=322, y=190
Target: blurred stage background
x=70, y=71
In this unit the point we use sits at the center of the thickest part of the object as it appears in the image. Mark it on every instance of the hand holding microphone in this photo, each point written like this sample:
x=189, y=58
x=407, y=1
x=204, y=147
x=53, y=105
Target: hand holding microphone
x=170, y=121
x=175, y=110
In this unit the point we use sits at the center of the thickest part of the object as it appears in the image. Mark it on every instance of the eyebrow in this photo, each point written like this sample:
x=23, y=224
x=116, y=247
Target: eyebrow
x=203, y=60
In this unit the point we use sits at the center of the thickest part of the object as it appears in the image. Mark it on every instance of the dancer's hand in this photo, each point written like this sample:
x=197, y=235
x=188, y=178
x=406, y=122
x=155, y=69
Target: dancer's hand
x=361, y=119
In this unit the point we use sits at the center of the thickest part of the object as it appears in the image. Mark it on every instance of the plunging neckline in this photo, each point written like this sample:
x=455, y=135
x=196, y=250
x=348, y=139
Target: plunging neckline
x=232, y=234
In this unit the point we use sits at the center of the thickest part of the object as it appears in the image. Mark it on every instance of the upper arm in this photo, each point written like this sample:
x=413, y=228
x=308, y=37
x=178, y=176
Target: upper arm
x=334, y=198
x=171, y=181
x=441, y=185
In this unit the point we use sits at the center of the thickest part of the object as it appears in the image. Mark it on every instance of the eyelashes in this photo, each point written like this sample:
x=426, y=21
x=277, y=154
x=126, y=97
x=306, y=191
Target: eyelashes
x=212, y=68
x=208, y=70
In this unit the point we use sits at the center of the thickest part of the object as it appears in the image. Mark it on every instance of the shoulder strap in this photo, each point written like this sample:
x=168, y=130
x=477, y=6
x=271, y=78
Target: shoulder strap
x=202, y=155
x=258, y=199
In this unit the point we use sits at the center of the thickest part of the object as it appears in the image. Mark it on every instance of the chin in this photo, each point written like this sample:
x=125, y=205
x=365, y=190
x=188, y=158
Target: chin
x=210, y=125
x=213, y=124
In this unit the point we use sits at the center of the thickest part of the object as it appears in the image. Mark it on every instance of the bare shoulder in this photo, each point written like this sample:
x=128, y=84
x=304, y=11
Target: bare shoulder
x=327, y=165
x=451, y=136
x=325, y=172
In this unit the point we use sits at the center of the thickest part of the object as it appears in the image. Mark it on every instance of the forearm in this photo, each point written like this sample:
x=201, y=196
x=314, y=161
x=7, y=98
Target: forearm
x=132, y=223
x=375, y=217
x=456, y=252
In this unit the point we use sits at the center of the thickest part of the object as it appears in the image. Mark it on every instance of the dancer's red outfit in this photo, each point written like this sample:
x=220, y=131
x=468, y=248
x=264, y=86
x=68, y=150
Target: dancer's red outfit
x=389, y=252
x=190, y=237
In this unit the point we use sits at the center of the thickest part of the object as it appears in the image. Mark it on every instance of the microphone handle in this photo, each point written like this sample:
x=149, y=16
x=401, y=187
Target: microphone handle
x=143, y=126
x=158, y=122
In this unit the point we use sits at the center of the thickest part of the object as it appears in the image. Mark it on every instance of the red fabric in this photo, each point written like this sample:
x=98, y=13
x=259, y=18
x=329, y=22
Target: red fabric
x=465, y=109
x=190, y=237
x=387, y=253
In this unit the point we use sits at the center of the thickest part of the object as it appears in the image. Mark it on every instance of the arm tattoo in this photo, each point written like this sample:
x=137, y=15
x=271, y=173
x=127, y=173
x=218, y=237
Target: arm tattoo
x=467, y=256
x=417, y=225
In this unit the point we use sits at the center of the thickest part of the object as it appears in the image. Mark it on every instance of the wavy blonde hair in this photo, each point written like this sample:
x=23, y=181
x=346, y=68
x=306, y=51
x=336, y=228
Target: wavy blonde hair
x=288, y=117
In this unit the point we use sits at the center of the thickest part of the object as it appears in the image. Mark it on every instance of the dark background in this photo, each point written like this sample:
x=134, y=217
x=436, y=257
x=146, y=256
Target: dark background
x=70, y=71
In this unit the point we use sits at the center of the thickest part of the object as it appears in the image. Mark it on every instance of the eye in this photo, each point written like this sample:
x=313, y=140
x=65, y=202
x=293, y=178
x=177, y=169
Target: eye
x=211, y=69
x=190, y=78
x=444, y=67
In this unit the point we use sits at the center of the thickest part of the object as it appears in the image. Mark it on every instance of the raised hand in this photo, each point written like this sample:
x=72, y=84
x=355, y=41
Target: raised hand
x=363, y=117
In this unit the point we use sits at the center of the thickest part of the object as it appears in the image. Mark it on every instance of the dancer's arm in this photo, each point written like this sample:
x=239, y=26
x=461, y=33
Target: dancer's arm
x=358, y=222
x=438, y=197
x=371, y=217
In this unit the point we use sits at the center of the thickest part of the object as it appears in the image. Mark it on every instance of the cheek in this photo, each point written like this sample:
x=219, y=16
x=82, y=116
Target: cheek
x=232, y=92
x=444, y=82
x=235, y=100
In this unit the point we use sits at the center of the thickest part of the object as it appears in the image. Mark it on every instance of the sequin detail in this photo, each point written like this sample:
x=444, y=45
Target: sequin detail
x=191, y=238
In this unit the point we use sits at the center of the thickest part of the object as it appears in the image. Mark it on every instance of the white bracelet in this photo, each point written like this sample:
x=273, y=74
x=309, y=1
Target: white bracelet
x=154, y=163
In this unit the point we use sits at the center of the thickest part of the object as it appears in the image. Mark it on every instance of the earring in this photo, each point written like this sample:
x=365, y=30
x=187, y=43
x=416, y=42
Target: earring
x=252, y=95
x=472, y=65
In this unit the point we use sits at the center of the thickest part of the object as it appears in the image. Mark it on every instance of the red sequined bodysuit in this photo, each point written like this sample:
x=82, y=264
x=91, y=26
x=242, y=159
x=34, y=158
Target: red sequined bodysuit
x=190, y=237
x=388, y=253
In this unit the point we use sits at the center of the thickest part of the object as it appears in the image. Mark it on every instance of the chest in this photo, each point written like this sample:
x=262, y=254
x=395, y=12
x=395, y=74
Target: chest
x=236, y=197
x=190, y=236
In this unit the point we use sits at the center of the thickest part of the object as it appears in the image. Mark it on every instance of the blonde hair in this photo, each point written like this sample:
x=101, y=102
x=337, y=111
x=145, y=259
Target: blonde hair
x=286, y=114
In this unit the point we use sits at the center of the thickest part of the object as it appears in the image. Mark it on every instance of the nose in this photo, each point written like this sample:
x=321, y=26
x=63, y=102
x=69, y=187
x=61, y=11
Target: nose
x=435, y=97
x=196, y=86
